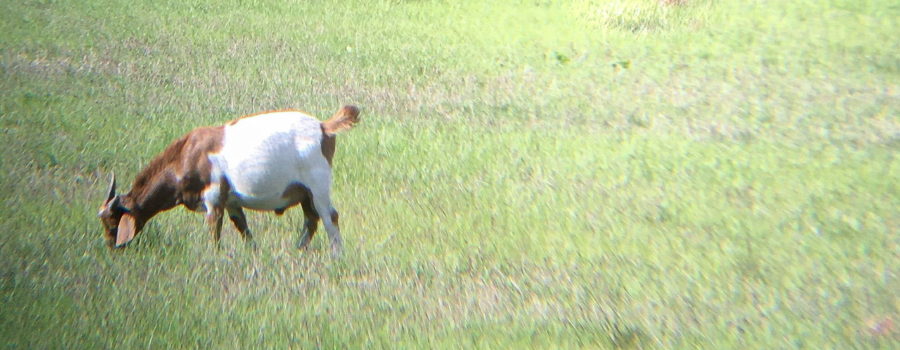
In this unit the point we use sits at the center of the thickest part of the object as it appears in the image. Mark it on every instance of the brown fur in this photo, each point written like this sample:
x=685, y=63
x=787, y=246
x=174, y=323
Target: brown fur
x=343, y=119
x=299, y=194
x=295, y=193
x=157, y=188
x=329, y=143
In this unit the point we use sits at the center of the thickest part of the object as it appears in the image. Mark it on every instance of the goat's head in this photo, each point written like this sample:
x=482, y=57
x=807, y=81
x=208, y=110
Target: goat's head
x=119, y=225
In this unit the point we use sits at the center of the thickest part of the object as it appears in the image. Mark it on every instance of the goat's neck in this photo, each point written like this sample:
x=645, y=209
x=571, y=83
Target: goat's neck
x=153, y=195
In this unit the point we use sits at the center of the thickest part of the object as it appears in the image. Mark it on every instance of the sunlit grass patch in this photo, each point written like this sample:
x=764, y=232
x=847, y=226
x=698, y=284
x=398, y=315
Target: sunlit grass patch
x=596, y=174
x=645, y=16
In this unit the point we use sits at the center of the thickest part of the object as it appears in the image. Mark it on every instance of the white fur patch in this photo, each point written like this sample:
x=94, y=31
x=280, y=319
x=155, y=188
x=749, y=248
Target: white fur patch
x=262, y=155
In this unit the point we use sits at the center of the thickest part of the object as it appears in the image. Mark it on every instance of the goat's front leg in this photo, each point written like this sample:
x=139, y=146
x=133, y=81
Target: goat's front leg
x=236, y=214
x=214, y=199
x=214, y=220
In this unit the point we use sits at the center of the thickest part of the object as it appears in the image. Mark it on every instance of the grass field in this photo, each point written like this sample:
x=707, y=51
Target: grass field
x=538, y=174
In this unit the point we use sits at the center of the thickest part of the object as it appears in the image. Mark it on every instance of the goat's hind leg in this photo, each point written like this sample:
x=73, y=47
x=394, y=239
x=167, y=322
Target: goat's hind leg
x=320, y=191
x=310, y=224
x=323, y=205
x=236, y=214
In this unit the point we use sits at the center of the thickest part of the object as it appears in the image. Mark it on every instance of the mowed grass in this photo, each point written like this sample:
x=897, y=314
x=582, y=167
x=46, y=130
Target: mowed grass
x=592, y=174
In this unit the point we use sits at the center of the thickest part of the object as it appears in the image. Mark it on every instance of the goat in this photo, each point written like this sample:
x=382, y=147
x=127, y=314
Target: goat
x=267, y=161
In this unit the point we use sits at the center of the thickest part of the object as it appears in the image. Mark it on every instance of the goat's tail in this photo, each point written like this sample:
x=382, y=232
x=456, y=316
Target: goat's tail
x=343, y=119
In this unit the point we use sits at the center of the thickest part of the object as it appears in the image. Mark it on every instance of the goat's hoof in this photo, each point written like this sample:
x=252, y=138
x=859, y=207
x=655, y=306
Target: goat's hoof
x=337, y=252
x=251, y=244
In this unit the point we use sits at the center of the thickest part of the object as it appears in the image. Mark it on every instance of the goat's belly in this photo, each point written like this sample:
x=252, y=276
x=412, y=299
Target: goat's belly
x=260, y=203
x=259, y=180
x=270, y=194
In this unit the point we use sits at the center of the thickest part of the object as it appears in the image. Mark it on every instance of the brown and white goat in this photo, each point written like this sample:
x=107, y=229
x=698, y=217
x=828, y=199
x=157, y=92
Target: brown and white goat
x=268, y=161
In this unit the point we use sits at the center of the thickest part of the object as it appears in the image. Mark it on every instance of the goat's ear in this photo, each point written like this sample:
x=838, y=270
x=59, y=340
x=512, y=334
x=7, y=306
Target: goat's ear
x=112, y=188
x=126, y=230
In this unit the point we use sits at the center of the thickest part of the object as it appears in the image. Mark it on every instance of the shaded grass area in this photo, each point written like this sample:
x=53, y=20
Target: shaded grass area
x=597, y=174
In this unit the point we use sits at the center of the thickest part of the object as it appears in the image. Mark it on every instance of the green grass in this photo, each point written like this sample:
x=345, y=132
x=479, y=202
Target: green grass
x=592, y=174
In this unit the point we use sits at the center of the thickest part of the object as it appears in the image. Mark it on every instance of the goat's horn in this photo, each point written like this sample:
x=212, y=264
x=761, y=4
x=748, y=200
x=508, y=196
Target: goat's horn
x=116, y=203
x=112, y=188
